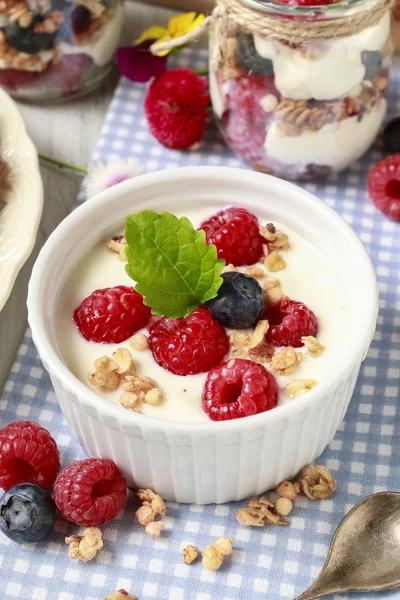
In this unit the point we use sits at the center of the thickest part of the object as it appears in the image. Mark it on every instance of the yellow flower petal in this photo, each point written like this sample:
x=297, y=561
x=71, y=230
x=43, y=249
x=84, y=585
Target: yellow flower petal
x=166, y=38
x=152, y=33
x=182, y=24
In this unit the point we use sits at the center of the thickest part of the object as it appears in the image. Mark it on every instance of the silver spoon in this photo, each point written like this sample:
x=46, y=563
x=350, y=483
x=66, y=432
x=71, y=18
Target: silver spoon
x=364, y=555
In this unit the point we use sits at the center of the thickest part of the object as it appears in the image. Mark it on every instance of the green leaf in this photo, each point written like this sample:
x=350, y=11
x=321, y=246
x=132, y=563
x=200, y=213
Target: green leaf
x=175, y=270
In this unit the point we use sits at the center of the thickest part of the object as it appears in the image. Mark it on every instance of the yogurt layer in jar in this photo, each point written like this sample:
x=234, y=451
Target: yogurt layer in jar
x=302, y=107
x=306, y=276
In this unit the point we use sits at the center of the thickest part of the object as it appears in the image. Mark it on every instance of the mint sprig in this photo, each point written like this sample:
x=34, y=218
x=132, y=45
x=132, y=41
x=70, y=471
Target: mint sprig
x=174, y=268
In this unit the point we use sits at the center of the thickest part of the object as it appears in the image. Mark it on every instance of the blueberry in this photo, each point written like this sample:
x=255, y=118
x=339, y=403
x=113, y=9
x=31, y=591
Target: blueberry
x=372, y=61
x=26, y=40
x=26, y=513
x=391, y=136
x=240, y=301
x=249, y=58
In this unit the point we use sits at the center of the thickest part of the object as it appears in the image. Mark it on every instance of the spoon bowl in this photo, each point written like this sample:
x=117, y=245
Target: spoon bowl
x=364, y=555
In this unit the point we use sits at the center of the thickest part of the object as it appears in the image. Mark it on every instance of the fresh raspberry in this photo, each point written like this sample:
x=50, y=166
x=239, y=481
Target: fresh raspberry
x=111, y=315
x=384, y=186
x=235, y=233
x=238, y=388
x=189, y=346
x=28, y=454
x=289, y=321
x=176, y=108
x=245, y=123
x=90, y=492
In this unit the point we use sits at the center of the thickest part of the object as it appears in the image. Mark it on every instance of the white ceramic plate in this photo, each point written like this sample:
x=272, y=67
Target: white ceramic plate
x=20, y=216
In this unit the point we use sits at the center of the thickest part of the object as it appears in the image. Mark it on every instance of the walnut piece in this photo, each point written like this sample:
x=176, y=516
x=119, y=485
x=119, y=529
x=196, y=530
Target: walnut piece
x=285, y=361
x=120, y=595
x=276, y=240
x=316, y=482
x=139, y=342
x=85, y=547
x=287, y=489
x=283, y=506
x=274, y=262
x=255, y=272
x=117, y=245
x=190, y=554
x=213, y=556
x=313, y=346
x=262, y=354
x=239, y=339
x=154, y=528
x=298, y=387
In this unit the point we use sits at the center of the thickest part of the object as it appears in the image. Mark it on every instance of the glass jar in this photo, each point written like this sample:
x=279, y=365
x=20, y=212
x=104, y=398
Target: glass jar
x=301, y=110
x=55, y=49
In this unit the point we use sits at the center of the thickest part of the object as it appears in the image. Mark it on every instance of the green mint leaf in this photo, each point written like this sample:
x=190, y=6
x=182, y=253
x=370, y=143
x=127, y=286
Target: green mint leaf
x=173, y=266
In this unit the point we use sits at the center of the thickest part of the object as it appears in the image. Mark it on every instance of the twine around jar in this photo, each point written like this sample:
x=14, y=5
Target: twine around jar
x=229, y=13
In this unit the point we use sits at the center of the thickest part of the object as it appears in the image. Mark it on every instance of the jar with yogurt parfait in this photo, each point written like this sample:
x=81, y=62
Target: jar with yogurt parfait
x=55, y=49
x=299, y=91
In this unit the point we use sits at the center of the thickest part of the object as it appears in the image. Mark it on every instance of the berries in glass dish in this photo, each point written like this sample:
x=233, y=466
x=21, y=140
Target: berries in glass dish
x=111, y=315
x=26, y=39
x=188, y=346
x=290, y=321
x=28, y=453
x=391, y=136
x=240, y=302
x=238, y=388
x=235, y=233
x=90, y=492
x=27, y=513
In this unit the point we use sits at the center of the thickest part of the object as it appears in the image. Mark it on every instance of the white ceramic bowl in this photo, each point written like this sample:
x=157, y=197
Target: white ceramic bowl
x=20, y=217
x=205, y=462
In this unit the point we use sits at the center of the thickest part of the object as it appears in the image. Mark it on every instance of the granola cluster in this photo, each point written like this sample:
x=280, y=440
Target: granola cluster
x=85, y=547
x=120, y=595
x=315, y=482
x=151, y=511
x=109, y=373
x=214, y=555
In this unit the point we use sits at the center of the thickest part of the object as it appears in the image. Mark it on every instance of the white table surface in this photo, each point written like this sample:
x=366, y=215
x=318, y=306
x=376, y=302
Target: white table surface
x=67, y=132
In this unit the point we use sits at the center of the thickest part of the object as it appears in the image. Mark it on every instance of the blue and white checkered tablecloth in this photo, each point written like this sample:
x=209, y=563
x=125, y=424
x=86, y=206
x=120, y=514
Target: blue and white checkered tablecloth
x=273, y=562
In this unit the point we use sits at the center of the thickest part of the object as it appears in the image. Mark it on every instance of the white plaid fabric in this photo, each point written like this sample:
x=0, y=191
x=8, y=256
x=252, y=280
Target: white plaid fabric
x=274, y=562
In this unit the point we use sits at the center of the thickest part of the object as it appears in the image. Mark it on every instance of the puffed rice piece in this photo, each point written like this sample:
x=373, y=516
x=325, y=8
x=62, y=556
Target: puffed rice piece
x=138, y=383
x=131, y=400
x=213, y=556
x=287, y=489
x=190, y=554
x=154, y=397
x=123, y=359
x=139, y=342
x=283, y=506
x=102, y=380
x=154, y=528
x=85, y=547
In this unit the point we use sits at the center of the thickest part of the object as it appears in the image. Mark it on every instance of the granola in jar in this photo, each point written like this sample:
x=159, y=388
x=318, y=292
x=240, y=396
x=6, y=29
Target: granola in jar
x=300, y=102
x=53, y=49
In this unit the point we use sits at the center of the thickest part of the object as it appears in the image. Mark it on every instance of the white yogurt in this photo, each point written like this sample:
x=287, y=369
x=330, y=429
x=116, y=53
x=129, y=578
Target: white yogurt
x=308, y=277
x=335, y=144
x=104, y=42
x=333, y=73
